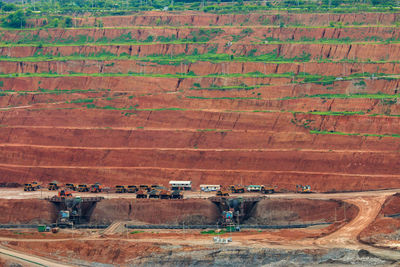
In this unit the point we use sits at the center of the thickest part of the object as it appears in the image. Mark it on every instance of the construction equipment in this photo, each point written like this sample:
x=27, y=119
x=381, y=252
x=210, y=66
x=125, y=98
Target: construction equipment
x=141, y=194
x=53, y=186
x=222, y=193
x=70, y=187
x=144, y=187
x=64, y=193
x=303, y=189
x=132, y=189
x=177, y=194
x=165, y=194
x=64, y=219
x=236, y=189
x=120, y=189
x=83, y=188
x=154, y=194
x=267, y=189
x=32, y=186
x=96, y=188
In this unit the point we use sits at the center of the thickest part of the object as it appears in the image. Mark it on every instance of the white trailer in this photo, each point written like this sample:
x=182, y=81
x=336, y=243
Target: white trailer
x=180, y=185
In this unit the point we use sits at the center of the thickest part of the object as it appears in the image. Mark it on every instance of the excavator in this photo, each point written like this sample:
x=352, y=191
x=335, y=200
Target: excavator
x=64, y=193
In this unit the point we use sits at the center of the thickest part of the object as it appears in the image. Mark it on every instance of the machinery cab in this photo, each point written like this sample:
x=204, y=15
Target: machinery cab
x=70, y=187
x=120, y=189
x=64, y=193
x=132, y=189
x=96, y=188
x=53, y=186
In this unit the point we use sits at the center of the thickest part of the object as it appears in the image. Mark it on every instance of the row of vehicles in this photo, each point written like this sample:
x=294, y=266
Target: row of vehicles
x=239, y=189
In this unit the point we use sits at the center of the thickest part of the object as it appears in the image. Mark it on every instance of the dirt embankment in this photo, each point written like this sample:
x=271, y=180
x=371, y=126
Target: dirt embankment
x=219, y=35
x=30, y=211
x=365, y=52
x=300, y=211
x=188, y=211
x=205, y=19
x=384, y=231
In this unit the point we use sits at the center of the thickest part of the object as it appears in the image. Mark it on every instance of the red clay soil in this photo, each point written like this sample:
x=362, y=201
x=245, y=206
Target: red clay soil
x=189, y=211
x=101, y=251
x=205, y=19
x=28, y=211
x=299, y=211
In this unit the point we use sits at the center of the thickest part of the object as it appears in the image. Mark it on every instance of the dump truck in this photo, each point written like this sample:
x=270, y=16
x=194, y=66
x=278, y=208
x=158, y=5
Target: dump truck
x=237, y=189
x=70, y=187
x=83, y=188
x=165, y=194
x=64, y=193
x=141, y=194
x=154, y=194
x=53, y=186
x=222, y=193
x=96, y=188
x=303, y=188
x=132, y=189
x=32, y=186
x=120, y=189
x=144, y=187
x=177, y=194
x=267, y=189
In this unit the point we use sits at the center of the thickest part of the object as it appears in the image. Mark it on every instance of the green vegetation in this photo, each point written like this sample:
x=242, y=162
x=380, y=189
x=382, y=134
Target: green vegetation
x=378, y=95
x=213, y=232
x=353, y=134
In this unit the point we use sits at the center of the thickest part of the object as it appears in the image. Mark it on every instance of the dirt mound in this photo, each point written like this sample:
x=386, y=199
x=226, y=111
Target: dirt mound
x=188, y=211
x=301, y=211
x=30, y=211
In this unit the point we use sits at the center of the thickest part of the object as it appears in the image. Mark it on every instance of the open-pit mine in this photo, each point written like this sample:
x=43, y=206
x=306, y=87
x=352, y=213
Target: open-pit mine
x=196, y=138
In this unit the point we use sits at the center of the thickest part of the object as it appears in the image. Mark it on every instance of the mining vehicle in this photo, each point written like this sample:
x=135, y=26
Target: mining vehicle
x=96, y=188
x=141, y=194
x=236, y=189
x=222, y=193
x=53, y=186
x=132, y=189
x=154, y=194
x=177, y=194
x=32, y=186
x=165, y=194
x=64, y=193
x=303, y=189
x=70, y=187
x=144, y=187
x=267, y=189
x=120, y=189
x=83, y=188
x=64, y=219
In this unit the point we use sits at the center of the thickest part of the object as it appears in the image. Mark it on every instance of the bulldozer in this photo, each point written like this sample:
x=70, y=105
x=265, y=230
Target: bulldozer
x=141, y=194
x=32, y=186
x=236, y=189
x=96, y=188
x=120, y=189
x=53, y=186
x=222, y=193
x=303, y=189
x=132, y=189
x=83, y=188
x=267, y=189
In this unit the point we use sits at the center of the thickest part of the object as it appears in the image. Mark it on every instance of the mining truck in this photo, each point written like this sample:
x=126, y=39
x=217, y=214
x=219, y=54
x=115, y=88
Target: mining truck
x=267, y=189
x=132, y=189
x=141, y=194
x=144, y=187
x=32, y=186
x=64, y=193
x=96, y=188
x=83, y=188
x=222, y=193
x=237, y=189
x=154, y=194
x=70, y=187
x=53, y=186
x=120, y=189
x=165, y=194
x=177, y=194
